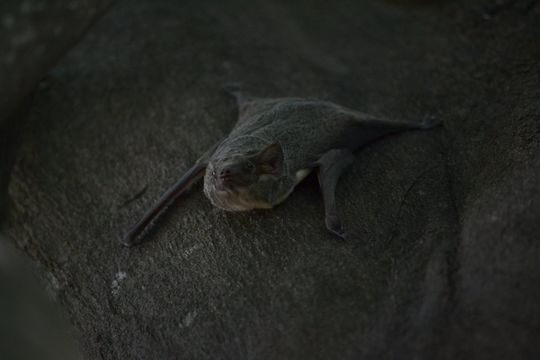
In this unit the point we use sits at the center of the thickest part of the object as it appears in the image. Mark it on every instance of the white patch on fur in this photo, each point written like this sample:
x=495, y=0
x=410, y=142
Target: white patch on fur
x=301, y=174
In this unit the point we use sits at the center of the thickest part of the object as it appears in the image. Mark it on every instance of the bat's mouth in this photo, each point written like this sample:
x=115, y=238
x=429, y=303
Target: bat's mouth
x=231, y=183
x=227, y=186
x=230, y=197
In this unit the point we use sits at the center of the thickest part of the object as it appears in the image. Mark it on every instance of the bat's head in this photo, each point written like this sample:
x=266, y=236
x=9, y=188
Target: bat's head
x=236, y=182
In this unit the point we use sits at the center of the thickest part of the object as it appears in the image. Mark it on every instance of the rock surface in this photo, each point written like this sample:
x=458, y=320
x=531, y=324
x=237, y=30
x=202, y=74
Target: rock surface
x=32, y=326
x=34, y=34
x=444, y=260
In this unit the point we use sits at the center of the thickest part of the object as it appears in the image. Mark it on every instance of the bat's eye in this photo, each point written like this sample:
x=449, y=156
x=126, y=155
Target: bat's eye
x=213, y=173
x=249, y=166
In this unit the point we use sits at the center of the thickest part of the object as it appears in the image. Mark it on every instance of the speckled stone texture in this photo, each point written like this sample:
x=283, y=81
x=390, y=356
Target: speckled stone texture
x=34, y=34
x=444, y=256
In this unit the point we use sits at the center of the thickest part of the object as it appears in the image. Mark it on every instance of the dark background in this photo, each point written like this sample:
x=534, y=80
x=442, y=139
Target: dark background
x=444, y=256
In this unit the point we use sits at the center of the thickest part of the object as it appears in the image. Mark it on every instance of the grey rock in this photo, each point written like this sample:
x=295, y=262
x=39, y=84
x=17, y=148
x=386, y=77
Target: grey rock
x=32, y=326
x=34, y=34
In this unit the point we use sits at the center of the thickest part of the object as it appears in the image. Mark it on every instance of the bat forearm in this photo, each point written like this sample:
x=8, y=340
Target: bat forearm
x=186, y=181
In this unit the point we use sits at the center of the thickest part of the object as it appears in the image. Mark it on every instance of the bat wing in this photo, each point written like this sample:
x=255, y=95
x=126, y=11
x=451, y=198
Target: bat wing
x=182, y=185
x=193, y=175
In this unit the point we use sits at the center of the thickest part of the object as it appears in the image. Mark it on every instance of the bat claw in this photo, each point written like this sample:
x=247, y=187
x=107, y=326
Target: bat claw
x=334, y=226
x=127, y=242
x=233, y=88
x=429, y=121
x=130, y=240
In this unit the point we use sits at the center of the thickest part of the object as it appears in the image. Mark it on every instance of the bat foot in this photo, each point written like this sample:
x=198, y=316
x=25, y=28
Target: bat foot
x=233, y=88
x=334, y=226
x=429, y=121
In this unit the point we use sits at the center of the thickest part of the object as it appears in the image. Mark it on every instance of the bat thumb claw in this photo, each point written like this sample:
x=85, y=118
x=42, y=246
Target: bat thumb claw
x=128, y=241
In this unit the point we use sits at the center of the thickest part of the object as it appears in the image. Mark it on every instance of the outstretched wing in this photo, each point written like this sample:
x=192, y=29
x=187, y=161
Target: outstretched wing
x=193, y=175
x=186, y=181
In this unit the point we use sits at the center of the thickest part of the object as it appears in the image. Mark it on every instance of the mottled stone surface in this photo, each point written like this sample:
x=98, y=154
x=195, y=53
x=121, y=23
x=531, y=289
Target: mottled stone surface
x=444, y=260
x=32, y=326
x=34, y=34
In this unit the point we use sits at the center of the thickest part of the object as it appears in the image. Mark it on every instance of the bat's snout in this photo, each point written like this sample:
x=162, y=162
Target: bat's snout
x=228, y=176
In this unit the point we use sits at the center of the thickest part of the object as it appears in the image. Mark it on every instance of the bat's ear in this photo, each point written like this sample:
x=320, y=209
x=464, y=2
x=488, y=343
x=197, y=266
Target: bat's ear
x=270, y=159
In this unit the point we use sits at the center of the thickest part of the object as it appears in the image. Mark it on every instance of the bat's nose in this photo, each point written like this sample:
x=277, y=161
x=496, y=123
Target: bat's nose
x=226, y=174
x=227, y=178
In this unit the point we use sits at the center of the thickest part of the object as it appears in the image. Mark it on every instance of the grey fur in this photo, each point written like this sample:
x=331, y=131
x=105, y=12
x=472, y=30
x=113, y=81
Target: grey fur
x=302, y=135
x=309, y=132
